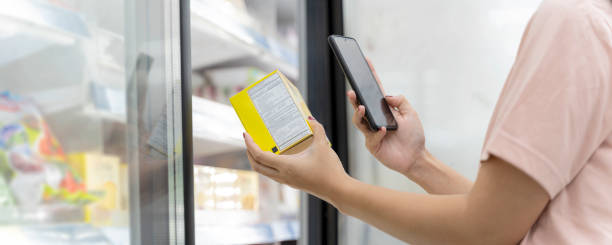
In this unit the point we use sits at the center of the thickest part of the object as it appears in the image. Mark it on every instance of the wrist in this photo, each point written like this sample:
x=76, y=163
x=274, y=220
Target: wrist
x=423, y=163
x=339, y=191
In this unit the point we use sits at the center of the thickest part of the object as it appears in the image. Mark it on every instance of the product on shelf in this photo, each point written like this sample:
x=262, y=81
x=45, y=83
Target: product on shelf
x=221, y=83
x=7, y=203
x=225, y=189
x=124, y=197
x=33, y=164
x=101, y=175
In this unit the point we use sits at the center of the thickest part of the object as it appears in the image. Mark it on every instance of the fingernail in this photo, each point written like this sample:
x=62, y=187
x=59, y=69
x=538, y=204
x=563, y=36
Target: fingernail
x=310, y=118
x=388, y=96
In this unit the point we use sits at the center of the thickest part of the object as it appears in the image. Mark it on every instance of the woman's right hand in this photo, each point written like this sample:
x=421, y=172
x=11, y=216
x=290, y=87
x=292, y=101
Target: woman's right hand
x=400, y=149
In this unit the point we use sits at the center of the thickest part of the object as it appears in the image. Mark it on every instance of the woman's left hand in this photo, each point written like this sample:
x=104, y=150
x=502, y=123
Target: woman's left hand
x=316, y=170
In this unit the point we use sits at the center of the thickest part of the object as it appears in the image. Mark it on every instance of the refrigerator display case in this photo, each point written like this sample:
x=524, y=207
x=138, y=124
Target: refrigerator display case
x=90, y=122
x=115, y=124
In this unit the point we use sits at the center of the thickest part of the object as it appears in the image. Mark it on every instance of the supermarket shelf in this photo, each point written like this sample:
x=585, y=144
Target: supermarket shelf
x=54, y=100
x=74, y=233
x=43, y=15
x=239, y=228
x=216, y=128
x=218, y=39
x=28, y=26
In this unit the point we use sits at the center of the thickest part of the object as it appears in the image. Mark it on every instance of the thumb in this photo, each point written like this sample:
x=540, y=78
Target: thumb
x=374, y=140
x=318, y=130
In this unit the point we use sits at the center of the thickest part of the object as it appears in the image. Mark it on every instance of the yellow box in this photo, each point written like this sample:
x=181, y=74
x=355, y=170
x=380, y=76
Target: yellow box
x=274, y=113
x=124, y=190
x=100, y=174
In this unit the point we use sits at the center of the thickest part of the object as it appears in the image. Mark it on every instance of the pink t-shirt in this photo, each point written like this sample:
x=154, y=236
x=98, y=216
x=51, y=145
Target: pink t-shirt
x=553, y=119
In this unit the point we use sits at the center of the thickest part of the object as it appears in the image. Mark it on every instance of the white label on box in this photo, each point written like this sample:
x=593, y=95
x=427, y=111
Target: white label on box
x=279, y=112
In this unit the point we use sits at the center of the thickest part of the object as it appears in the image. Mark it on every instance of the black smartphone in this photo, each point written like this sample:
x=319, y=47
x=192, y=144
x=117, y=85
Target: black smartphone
x=362, y=80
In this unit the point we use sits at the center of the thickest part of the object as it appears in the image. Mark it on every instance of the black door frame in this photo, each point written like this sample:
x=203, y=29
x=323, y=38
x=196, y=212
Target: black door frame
x=185, y=36
x=326, y=89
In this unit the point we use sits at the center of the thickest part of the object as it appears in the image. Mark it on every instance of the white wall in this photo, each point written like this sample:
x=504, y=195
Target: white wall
x=450, y=59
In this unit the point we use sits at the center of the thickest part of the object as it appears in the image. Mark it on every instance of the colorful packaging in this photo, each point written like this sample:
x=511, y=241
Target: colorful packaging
x=32, y=162
x=101, y=176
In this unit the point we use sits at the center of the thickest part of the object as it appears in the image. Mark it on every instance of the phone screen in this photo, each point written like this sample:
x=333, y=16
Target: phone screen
x=363, y=82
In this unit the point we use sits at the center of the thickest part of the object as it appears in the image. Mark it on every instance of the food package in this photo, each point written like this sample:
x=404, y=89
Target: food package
x=32, y=162
x=219, y=84
x=101, y=176
x=273, y=112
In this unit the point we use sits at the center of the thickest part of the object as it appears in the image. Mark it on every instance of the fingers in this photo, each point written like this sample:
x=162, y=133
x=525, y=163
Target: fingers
x=352, y=98
x=266, y=158
x=359, y=113
x=318, y=131
x=262, y=169
x=358, y=120
x=399, y=102
x=375, y=139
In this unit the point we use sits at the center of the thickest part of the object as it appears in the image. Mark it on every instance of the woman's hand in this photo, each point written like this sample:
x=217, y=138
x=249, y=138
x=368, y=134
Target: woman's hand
x=400, y=149
x=316, y=170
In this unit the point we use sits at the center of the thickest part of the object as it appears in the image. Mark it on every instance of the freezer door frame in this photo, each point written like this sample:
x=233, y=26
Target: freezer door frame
x=321, y=73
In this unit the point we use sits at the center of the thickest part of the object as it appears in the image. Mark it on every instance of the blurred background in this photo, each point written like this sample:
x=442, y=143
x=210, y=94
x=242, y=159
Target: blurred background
x=450, y=59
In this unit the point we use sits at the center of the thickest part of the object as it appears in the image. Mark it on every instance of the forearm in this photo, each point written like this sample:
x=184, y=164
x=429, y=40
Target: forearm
x=500, y=208
x=413, y=218
x=436, y=177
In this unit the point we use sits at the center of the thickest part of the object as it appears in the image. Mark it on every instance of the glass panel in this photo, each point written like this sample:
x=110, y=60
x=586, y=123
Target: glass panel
x=235, y=43
x=450, y=59
x=88, y=122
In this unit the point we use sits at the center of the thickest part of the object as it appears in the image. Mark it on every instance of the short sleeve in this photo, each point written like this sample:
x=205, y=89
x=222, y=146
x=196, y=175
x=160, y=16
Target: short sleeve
x=555, y=110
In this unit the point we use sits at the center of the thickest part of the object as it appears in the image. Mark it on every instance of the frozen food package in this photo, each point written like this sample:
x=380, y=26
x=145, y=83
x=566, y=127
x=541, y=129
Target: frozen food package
x=33, y=165
x=100, y=174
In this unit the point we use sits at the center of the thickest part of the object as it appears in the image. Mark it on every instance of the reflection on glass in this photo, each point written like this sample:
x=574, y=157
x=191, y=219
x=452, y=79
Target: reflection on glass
x=235, y=43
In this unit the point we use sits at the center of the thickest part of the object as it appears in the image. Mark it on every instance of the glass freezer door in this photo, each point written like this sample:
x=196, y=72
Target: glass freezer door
x=233, y=44
x=90, y=122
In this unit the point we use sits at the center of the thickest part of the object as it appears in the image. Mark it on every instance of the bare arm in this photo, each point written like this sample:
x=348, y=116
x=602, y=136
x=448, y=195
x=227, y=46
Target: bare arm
x=436, y=177
x=500, y=208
